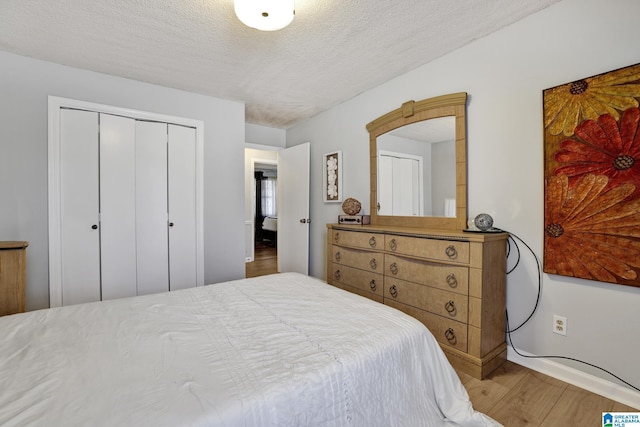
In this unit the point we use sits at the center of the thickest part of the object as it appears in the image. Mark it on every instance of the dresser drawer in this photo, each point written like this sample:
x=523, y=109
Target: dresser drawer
x=442, y=276
x=366, y=294
x=358, y=240
x=365, y=260
x=356, y=278
x=444, y=303
x=435, y=249
x=446, y=331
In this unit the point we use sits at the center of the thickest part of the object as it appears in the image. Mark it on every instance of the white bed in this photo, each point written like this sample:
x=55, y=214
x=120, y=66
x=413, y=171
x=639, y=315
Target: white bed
x=270, y=229
x=270, y=223
x=279, y=350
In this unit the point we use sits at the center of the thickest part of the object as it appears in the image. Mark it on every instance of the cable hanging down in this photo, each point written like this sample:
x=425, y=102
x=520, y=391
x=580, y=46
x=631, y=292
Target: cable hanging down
x=513, y=237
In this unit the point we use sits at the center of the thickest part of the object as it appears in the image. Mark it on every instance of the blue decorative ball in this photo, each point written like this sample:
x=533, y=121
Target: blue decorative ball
x=483, y=221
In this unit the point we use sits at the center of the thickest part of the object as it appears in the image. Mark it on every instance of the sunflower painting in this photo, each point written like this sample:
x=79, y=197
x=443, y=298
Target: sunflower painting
x=592, y=178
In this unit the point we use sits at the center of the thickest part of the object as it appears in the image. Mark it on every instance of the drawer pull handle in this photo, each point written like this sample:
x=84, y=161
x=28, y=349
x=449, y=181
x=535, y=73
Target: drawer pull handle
x=450, y=307
x=372, y=285
x=450, y=335
x=394, y=268
x=451, y=251
x=393, y=291
x=393, y=245
x=338, y=256
x=373, y=264
x=452, y=281
x=372, y=241
x=336, y=275
x=336, y=237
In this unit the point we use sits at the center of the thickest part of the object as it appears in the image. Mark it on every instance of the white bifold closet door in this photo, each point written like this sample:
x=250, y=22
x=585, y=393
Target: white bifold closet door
x=128, y=206
x=152, y=238
x=399, y=186
x=79, y=207
x=182, y=207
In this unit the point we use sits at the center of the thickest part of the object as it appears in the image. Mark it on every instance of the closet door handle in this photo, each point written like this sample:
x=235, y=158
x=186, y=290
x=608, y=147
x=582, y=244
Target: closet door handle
x=94, y=227
x=170, y=224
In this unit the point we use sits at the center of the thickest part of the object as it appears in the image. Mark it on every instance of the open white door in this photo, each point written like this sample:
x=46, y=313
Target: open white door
x=293, y=209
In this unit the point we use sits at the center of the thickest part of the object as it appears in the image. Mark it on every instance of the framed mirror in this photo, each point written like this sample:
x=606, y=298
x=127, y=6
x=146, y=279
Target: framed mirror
x=418, y=162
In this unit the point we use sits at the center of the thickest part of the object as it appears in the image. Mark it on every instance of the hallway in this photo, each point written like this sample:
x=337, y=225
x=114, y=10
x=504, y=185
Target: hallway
x=265, y=261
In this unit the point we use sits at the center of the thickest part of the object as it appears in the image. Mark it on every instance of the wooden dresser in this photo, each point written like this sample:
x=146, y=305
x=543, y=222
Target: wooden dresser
x=12, y=277
x=452, y=281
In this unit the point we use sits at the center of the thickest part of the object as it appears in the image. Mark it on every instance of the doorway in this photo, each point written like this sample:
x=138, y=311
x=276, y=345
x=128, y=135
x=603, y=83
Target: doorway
x=265, y=219
x=291, y=220
x=261, y=246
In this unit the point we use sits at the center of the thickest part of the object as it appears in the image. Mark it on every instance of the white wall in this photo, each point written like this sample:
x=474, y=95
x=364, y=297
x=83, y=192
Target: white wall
x=504, y=75
x=257, y=135
x=25, y=84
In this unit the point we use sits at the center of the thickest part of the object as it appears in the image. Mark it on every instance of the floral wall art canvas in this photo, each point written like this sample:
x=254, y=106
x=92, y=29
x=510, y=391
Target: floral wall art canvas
x=332, y=177
x=592, y=178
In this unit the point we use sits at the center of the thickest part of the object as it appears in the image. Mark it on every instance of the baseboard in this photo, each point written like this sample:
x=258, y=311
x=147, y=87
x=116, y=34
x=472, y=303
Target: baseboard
x=578, y=378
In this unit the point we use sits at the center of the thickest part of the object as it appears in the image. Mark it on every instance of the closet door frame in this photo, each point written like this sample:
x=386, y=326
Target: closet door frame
x=55, y=104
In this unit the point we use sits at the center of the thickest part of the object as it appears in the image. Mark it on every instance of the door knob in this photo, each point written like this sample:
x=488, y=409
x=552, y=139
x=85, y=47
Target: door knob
x=305, y=221
x=170, y=224
x=94, y=227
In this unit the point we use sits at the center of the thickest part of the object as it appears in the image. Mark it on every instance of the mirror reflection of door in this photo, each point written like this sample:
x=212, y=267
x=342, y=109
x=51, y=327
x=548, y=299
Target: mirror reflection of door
x=401, y=184
x=432, y=141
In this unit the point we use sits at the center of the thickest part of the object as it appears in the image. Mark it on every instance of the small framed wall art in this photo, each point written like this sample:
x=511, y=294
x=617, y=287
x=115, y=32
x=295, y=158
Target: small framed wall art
x=332, y=177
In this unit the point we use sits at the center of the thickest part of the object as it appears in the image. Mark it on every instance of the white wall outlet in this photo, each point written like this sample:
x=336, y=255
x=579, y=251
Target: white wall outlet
x=559, y=325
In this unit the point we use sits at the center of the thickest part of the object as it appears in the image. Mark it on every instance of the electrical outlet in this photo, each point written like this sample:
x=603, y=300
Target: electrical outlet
x=559, y=325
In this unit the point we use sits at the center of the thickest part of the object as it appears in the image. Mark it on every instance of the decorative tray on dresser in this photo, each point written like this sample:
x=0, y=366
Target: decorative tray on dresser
x=452, y=281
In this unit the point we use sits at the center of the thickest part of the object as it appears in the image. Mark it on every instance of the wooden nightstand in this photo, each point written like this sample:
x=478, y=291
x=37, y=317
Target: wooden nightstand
x=12, y=277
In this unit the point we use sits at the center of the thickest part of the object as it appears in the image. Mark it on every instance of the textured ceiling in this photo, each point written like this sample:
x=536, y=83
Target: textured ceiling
x=333, y=50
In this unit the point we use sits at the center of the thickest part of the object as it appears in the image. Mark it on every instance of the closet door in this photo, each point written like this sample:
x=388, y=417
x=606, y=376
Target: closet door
x=399, y=185
x=182, y=207
x=385, y=185
x=152, y=238
x=405, y=184
x=79, y=207
x=117, y=206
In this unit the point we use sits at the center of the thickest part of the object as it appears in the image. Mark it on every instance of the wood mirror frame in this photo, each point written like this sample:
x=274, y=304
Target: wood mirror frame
x=454, y=104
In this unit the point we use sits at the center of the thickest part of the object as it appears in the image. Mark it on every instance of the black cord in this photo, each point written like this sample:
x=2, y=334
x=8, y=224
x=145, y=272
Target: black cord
x=535, y=308
x=539, y=270
x=565, y=358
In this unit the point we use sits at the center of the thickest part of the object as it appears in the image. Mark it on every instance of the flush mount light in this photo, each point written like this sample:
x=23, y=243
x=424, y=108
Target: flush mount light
x=265, y=15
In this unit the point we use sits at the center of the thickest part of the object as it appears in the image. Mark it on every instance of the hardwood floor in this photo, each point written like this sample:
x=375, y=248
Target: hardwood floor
x=265, y=261
x=513, y=395
x=517, y=396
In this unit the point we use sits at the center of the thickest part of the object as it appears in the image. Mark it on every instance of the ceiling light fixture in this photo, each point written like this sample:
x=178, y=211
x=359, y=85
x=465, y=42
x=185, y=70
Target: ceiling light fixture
x=265, y=15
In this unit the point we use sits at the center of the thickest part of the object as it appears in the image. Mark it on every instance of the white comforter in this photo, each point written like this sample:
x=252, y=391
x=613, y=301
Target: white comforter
x=280, y=350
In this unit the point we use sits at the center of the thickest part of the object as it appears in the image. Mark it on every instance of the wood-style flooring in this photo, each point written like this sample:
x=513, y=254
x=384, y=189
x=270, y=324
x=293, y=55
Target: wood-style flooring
x=517, y=396
x=265, y=261
x=513, y=395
